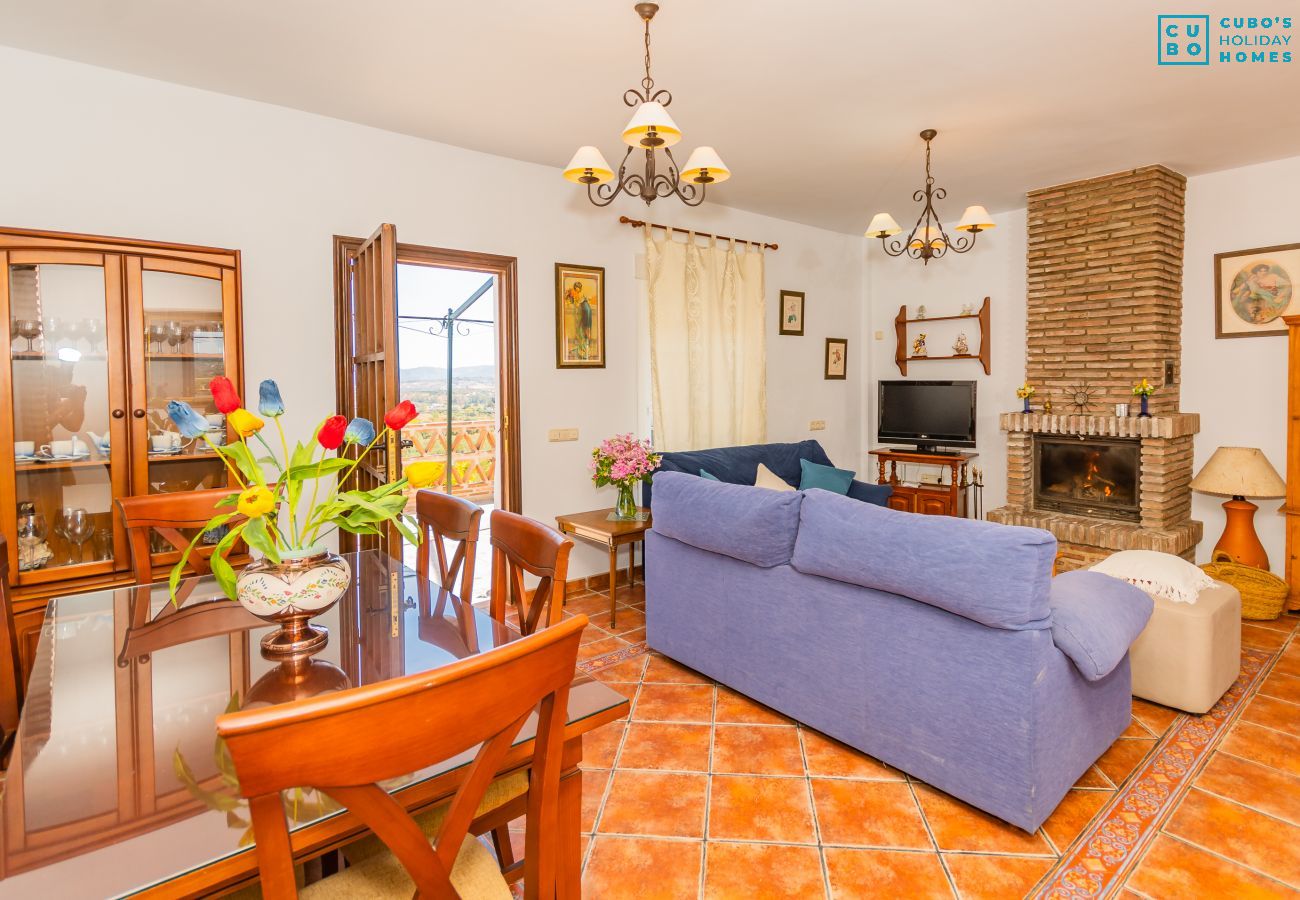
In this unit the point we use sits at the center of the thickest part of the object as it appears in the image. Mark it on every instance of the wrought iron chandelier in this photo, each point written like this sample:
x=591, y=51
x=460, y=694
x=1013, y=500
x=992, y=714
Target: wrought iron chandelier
x=928, y=240
x=651, y=129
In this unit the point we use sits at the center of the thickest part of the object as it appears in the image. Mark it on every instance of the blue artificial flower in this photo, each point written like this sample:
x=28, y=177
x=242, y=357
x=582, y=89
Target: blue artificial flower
x=360, y=431
x=190, y=423
x=269, y=403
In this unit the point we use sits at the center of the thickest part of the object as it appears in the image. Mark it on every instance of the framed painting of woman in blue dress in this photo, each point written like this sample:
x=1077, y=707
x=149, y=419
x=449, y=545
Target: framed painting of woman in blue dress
x=579, y=317
x=1254, y=289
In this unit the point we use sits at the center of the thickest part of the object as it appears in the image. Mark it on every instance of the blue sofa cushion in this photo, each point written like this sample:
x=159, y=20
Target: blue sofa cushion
x=998, y=575
x=743, y=522
x=739, y=465
x=1095, y=619
x=828, y=478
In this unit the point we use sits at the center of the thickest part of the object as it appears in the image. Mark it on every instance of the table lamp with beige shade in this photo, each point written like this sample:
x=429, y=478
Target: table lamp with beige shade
x=1238, y=473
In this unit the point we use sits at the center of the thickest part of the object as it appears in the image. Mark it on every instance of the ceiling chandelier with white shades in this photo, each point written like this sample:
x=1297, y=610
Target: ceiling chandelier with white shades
x=928, y=240
x=651, y=130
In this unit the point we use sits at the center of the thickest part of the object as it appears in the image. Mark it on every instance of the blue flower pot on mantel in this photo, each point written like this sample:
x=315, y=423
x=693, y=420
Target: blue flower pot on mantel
x=1144, y=413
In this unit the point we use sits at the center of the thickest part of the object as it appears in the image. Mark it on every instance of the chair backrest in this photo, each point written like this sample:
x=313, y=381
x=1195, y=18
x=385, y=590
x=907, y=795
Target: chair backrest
x=442, y=517
x=11, y=671
x=343, y=743
x=522, y=545
x=166, y=514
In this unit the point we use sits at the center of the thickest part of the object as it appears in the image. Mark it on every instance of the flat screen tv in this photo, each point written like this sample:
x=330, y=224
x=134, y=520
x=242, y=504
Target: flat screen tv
x=929, y=414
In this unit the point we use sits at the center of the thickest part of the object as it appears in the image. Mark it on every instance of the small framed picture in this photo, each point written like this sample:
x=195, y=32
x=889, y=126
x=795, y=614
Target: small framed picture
x=792, y=312
x=579, y=317
x=1254, y=289
x=837, y=358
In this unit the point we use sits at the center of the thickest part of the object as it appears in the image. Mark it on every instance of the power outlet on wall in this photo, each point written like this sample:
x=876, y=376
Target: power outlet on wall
x=562, y=434
x=817, y=425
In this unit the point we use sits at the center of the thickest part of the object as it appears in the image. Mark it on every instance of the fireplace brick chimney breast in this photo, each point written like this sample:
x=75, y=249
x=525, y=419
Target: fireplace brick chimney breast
x=1104, y=266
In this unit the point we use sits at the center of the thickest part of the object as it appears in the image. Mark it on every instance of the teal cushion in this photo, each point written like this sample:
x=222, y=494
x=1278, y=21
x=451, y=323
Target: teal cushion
x=828, y=478
x=705, y=473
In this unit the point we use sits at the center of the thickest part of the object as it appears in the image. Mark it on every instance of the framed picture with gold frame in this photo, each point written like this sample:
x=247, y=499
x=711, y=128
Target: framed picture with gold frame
x=837, y=359
x=1254, y=289
x=579, y=316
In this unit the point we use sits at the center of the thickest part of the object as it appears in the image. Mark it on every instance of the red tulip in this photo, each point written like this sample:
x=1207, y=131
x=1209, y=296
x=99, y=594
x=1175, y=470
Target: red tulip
x=223, y=392
x=400, y=414
x=330, y=435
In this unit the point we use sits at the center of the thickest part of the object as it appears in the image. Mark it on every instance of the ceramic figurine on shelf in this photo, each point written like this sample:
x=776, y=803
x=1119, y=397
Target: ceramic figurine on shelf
x=959, y=346
x=920, y=311
x=918, y=346
x=1024, y=392
x=968, y=309
x=1047, y=404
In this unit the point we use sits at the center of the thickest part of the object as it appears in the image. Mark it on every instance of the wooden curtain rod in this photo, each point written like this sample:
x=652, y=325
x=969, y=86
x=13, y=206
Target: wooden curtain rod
x=638, y=223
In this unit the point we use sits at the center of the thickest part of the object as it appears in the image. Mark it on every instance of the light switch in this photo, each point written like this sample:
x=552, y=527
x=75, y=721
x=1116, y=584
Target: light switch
x=817, y=425
x=562, y=434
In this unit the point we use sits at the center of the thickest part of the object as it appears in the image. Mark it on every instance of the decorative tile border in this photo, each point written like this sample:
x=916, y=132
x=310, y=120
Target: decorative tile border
x=1106, y=850
x=613, y=658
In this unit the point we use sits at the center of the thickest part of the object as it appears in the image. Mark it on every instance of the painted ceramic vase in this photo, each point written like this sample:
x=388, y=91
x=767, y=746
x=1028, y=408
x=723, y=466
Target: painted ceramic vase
x=303, y=584
x=1146, y=411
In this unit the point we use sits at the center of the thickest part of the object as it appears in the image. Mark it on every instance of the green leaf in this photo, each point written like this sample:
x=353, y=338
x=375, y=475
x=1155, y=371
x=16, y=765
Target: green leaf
x=302, y=454
x=257, y=537
x=178, y=570
x=225, y=575
x=242, y=457
x=325, y=466
x=212, y=800
x=227, y=501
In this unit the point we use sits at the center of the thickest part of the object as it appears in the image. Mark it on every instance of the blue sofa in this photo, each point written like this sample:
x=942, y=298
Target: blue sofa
x=739, y=465
x=941, y=646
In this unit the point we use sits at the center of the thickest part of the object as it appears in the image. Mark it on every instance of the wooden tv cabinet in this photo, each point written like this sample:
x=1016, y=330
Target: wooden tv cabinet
x=928, y=499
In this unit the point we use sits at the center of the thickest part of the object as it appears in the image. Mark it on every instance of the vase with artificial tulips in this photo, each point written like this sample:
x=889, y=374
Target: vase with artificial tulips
x=286, y=515
x=1143, y=390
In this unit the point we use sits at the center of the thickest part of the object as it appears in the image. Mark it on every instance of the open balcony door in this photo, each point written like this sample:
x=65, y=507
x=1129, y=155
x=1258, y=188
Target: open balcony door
x=368, y=383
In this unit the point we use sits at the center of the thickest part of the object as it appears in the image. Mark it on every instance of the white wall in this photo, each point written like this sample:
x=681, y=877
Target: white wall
x=123, y=155
x=994, y=268
x=1237, y=385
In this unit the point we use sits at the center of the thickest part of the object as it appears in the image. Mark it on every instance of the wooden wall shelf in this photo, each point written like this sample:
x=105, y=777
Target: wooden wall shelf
x=902, y=358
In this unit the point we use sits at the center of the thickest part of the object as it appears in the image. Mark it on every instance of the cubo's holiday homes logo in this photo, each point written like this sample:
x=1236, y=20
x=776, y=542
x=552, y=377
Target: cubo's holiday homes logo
x=1186, y=40
x=1183, y=40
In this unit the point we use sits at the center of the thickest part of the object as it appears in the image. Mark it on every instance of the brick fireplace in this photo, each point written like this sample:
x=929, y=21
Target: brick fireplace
x=1104, y=310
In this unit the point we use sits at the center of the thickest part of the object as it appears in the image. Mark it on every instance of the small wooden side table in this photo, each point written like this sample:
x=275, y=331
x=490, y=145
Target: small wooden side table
x=597, y=527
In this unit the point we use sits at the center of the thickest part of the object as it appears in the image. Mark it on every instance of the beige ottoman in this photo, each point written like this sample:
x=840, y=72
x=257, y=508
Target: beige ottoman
x=1189, y=653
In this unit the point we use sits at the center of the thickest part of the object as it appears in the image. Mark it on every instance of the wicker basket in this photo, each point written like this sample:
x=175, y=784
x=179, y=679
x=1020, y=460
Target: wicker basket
x=1263, y=594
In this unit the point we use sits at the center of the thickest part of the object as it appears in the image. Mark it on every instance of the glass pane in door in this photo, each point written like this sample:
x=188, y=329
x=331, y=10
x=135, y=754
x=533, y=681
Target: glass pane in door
x=185, y=350
x=62, y=451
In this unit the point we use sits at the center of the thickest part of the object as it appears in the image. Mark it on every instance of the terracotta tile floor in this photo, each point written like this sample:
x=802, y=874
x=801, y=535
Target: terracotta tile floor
x=704, y=793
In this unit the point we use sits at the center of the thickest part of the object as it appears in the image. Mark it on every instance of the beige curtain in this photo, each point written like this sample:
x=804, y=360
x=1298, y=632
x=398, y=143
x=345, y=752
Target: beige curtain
x=708, y=343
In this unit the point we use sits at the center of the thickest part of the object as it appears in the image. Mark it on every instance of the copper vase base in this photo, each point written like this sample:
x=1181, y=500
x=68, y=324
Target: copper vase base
x=293, y=638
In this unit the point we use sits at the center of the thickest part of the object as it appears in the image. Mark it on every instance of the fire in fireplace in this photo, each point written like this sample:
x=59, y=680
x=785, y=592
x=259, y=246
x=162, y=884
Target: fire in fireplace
x=1088, y=477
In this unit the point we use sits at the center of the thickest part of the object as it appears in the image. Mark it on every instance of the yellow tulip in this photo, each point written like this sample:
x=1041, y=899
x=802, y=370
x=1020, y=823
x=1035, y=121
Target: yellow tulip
x=256, y=501
x=244, y=422
x=421, y=474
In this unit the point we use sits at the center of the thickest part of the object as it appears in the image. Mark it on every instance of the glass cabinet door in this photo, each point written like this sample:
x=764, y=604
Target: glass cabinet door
x=179, y=315
x=68, y=425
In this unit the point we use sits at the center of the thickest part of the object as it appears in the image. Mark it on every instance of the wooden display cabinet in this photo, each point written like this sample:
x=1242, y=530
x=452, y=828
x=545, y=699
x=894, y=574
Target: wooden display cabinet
x=101, y=333
x=927, y=499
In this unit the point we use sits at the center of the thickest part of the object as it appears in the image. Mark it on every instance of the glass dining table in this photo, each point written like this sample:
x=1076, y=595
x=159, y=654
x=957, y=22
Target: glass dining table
x=117, y=784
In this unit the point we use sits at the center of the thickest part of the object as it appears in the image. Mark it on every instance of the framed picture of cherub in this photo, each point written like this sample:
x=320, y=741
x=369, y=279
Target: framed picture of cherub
x=579, y=317
x=1254, y=289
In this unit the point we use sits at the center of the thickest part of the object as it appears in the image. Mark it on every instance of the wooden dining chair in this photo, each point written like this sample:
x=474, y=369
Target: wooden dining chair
x=11, y=669
x=441, y=518
x=521, y=545
x=343, y=743
x=165, y=515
